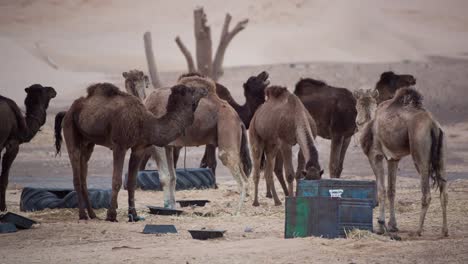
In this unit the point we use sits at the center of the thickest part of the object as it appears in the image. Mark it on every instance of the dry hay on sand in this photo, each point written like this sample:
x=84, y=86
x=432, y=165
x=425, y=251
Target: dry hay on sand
x=61, y=238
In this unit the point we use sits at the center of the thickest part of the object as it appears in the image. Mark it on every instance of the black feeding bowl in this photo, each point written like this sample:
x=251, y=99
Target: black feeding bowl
x=163, y=211
x=205, y=234
x=185, y=203
x=19, y=221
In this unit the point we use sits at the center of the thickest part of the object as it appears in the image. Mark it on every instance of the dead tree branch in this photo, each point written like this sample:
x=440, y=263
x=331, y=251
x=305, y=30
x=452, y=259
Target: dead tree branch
x=151, y=62
x=202, y=42
x=187, y=54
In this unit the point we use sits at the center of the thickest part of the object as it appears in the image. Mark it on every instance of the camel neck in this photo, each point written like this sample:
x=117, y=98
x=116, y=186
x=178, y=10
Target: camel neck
x=35, y=118
x=169, y=127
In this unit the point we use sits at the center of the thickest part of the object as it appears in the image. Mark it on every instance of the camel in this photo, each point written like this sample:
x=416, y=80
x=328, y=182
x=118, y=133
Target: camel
x=136, y=82
x=17, y=129
x=390, y=82
x=119, y=121
x=281, y=122
x=254, y=92
x=216, y=123
x=400, y=127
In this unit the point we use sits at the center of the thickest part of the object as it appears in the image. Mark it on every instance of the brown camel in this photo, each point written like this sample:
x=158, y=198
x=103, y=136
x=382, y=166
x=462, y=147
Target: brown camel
x=281, y=122
x=119, y=121
x=15, y=129
x=136, y=82
x=390, y=82
x=400, y=127
x=216, y=123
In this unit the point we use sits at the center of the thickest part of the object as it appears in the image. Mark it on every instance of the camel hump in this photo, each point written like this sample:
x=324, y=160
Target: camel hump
x=196, y=80
x=18, y=115
x=276, y=91
x=408, y=97
x=104, y=89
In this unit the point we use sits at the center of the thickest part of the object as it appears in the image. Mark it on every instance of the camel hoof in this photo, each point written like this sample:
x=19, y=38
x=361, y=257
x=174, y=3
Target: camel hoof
x=83, y=216
x=109, y=219
x=445, y=233
x=255, y=203
x=419, y=233
x=135, y=218
x=268, y=195
x=278, y=203
x=92, y=215
x=393, y=229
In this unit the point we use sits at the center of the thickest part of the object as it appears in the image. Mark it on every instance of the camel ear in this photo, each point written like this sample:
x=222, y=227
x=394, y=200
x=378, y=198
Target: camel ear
x=27, y=90
x=375, y=94
x=357, y=93
x=125, y=75
x=140, y=74
x=147, y=81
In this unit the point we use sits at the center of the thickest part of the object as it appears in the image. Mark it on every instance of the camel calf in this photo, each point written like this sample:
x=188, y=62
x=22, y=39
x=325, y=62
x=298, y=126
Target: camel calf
x=281, y=122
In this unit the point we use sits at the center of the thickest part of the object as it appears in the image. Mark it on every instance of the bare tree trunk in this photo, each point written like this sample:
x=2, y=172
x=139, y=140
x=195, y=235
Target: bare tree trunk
x=187, y=55
x=226, y=37
x=203, y=42
x=150, y=59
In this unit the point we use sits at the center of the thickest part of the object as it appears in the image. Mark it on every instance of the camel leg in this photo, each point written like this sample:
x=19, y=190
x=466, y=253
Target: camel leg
x=335, y=154
x=209, y=160
x=86, y=152
x=164, y=159
x=270, y=163
x=279, y=174
x=376, y=162
x=7, y=161
x=119, y=157
x=443, y=203
x=257, y=156
x=135, y=159
x=425, y=200
x=392, y=170
x=300, y=165
x=176, y=155
x=344, y=148
x=286, y=152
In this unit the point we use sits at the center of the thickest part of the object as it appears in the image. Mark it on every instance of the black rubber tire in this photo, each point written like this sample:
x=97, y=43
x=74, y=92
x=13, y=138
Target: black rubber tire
x=35, y=199
x=187, y=179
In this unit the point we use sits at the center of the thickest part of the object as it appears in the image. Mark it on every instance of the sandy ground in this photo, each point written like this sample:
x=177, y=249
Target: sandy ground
x=346, y=44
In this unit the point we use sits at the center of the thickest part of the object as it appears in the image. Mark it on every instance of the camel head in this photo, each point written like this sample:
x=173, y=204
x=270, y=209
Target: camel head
x=254, y=88
x=136, y=82
x=366, y=104
x=184, y=97
x=390, y=82
x=312, y=173
x=38, y=96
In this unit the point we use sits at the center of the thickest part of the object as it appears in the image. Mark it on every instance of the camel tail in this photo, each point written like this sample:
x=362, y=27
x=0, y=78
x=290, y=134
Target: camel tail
x=58, y=131
x=437, y=158
x=245, y=153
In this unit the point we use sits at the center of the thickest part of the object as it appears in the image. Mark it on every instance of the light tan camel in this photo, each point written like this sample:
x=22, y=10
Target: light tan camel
x=401, y=127
x=136, y=82
x=216, y=123
x=119, y=121
x=281, y=122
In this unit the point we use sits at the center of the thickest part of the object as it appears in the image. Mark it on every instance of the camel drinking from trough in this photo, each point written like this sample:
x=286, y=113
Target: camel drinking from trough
x=400, y=127
x=281, y=122
x=17, y=129
x=119, y=121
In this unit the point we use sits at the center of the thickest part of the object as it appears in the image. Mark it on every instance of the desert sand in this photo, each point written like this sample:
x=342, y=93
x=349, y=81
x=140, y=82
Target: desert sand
x=344, y=43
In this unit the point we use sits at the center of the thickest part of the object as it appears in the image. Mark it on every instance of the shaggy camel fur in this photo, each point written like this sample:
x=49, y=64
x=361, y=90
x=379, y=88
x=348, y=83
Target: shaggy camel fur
x=15, y=129
x=401, y=127
x=119, y=121
x=216, y=123
x=281, y=122
x=390, y=82
x=136, y=82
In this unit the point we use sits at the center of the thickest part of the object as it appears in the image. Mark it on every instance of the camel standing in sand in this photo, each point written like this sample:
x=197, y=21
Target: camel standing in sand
x=216, y=123
x=281, y=122
x=119, y=121
x=16, y=129
x=401, y=127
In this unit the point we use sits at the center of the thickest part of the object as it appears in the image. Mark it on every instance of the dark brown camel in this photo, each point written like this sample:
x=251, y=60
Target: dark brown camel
x=119, y=121
x=281, y=122
x=390, y=82
x=16, y=129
